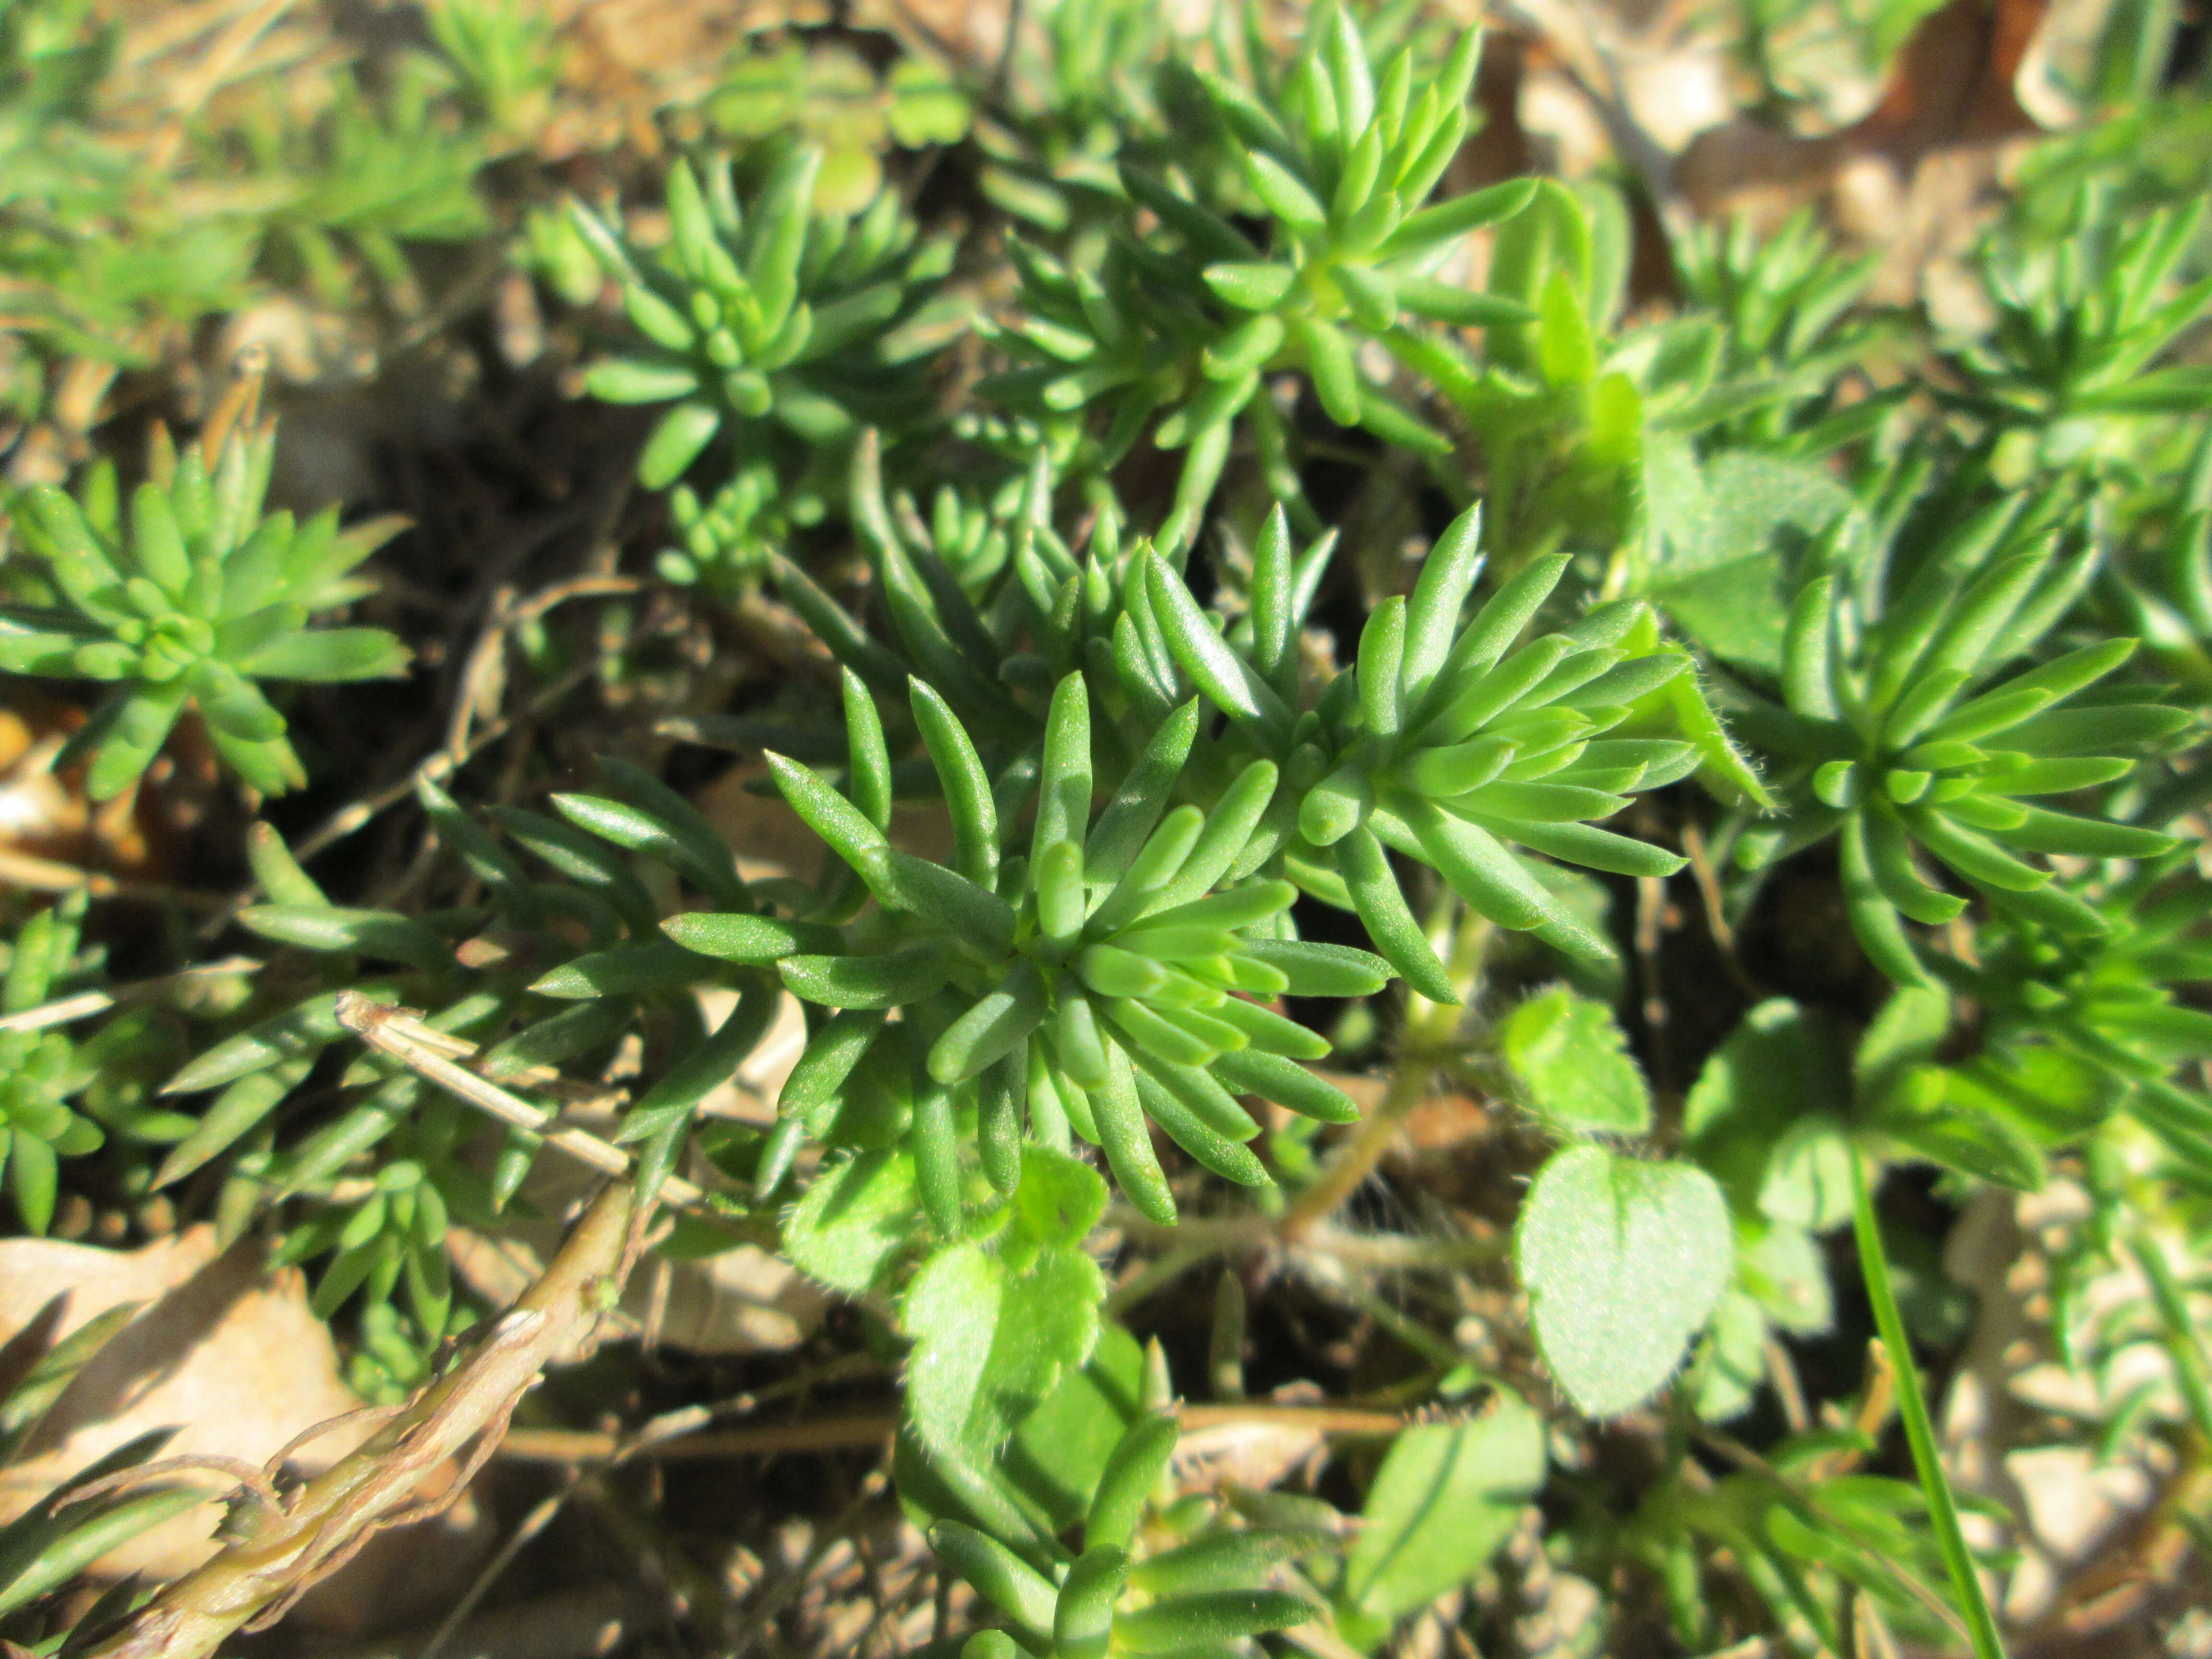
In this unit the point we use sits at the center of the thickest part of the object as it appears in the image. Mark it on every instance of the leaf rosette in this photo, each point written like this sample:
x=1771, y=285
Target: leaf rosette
x=775, y=314
x=1111, y=975
x=1453, y=744
x=189, y=601
x=1897, y=742
x=1184, y=317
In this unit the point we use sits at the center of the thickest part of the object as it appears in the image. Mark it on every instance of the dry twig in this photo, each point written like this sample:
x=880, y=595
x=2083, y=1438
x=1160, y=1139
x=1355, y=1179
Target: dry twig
x=398, y=1032
x=845, y=1432
x=85, y=1004
x=462, y=1415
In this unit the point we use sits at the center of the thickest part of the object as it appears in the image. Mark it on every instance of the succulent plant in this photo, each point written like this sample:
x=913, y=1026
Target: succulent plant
x=778, y=316
x=1450, y=745
x=1897, y=740
x=1183, y=322
x=40, y=1069
x=187, y=602
x=1107, y=975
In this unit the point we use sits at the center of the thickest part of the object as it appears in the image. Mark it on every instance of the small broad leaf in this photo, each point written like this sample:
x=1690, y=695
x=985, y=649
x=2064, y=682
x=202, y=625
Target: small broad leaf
x=1623, y=1261
x=1785, y=1270
x=1446, y=1497
x=1729, y=539
x=1764, y=1115
x=1571, y=1059
x=1809, y=1176
x=853, y=1219
x=1061, y=1451
x=1057, y=1204
x=991, y=1341
x=2050, y=1094
x=1731, y=1362
x=1906, y=1032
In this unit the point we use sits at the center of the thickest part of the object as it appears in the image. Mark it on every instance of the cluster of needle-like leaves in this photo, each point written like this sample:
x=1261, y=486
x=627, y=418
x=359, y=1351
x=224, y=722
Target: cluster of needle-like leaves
x=1110, y=973
x=1182, y=322
x=774, y=314
x=1135, y=1588
x=2081, y=317
x=1451, y=743
x=1896, y=737
x=40, y=1069
x=1162, y=723
x=186, y=598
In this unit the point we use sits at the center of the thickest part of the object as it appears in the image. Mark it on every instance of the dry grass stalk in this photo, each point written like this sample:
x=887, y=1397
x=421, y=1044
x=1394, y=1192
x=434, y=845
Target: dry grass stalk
x=400, y=1033
x=462, y=1415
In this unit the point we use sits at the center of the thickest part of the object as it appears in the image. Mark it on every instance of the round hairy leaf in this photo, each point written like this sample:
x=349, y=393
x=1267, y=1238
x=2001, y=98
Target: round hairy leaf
x=853, y=1219
x=993, y=1339
x=1623, y=1261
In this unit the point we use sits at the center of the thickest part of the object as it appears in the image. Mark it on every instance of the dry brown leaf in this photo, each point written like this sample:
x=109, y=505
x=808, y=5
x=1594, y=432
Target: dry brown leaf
x=743, y=1301
x=1917, y=178
x=2071, y=1503
x=228, y=1355
x=1258, y=1453
x=1910, y=167
x=622, y=62
x=750, y=1095
x=46, y=813
x=974, y=31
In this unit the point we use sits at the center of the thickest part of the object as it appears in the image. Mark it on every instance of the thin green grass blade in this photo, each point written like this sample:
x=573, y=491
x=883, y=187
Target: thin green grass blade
x=1919, y=1430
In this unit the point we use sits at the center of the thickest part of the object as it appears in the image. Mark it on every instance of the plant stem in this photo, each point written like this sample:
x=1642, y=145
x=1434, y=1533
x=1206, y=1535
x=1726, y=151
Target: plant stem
x=1424, y=1043
x=857, y=1428
x=397, y=1032
x=2183, y=1344
x=85, y=1004
x=249, y=1583
x=1919, y=1429
x=1408, y=1088
x=1154, y=1275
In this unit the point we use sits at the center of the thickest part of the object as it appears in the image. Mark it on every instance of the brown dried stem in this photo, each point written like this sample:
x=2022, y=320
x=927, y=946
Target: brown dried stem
x=462, y=1415
x=400, y=1033
x=856, y=1429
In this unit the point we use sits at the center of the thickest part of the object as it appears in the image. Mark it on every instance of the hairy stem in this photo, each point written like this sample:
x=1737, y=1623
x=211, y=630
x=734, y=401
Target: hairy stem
x=1426, y=1040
